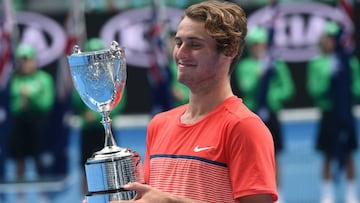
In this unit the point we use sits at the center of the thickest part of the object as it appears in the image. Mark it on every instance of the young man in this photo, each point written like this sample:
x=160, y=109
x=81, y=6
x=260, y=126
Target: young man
x=213, y=149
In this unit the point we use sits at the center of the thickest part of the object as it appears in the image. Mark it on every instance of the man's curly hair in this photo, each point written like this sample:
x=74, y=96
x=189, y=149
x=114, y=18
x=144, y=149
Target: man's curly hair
x=226, y=22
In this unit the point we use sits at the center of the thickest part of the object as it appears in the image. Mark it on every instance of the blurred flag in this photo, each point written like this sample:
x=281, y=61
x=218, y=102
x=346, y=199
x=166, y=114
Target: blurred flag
x=159, y=71
x=76, y=34
x=263, y=108
x=6, y=68
x=158, y=35
x=274, y=13
x=75, y=25
x=346, y=38
x=6, y=57
x=347, y=7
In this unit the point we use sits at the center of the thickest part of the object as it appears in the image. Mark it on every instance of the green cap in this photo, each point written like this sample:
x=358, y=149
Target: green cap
x=332, y=28
x=25, y=51
x=257, y=35
x=94, y=44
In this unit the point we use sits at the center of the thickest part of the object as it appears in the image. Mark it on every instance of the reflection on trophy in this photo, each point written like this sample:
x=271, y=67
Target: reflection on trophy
x=99, y=77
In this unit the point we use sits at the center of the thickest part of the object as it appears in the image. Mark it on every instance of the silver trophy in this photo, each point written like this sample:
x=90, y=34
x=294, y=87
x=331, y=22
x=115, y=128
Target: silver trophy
x=99, y=77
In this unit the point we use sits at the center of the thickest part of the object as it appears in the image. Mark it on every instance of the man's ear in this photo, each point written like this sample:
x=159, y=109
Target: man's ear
x=230, y=50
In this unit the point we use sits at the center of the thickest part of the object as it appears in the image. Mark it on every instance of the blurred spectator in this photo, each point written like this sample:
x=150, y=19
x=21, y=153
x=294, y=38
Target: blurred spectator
x=159, y=73
x=92, y=132
x=265, y=85
x=334, y=83
x=31, y=98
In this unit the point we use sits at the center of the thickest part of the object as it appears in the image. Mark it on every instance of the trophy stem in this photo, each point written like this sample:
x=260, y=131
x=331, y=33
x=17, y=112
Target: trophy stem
x=109, y=138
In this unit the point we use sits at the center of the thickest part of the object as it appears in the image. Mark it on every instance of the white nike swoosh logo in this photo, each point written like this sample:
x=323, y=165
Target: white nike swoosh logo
x=198, y=149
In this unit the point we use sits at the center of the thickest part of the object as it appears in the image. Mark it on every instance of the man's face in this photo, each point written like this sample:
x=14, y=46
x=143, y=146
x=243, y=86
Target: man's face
x=198, y=61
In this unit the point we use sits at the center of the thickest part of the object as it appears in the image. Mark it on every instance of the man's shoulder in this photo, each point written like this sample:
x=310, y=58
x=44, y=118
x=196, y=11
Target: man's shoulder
x=237, y=109
x=169, y=113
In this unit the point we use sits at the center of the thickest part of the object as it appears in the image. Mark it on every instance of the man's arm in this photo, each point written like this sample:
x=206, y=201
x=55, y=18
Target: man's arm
x=260, y=198
x=149, y=194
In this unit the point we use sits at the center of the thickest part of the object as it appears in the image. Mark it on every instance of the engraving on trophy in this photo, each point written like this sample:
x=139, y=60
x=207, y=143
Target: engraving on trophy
x=100, y=77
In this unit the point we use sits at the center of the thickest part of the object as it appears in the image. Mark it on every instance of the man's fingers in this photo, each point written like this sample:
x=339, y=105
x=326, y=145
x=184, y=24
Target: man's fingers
x=139, y=187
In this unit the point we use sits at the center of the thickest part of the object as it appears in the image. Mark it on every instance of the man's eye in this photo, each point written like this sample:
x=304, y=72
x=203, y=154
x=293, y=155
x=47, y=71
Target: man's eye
x=178, y=44
x=194, y=44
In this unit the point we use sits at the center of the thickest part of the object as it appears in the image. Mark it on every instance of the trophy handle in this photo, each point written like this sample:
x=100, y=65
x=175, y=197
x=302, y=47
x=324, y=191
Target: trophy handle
x=76, y=49
x=115, y=49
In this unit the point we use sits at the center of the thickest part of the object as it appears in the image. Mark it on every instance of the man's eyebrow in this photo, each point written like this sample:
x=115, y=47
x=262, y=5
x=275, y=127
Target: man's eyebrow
x=188, y=38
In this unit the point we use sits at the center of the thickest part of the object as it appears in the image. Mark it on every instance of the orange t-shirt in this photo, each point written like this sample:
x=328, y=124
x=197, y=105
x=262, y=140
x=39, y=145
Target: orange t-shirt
x=226, y=155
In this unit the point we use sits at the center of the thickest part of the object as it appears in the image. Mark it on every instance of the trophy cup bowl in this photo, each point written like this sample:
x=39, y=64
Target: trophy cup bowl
x=99, y=77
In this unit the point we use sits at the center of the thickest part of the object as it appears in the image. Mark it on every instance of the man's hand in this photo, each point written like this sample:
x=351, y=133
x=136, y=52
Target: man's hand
x=145, y=193
x=148, y=194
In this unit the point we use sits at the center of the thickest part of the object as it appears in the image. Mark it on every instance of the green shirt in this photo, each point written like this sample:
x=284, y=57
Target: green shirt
x=32, y=93
x=319, y=79
x=248, y=77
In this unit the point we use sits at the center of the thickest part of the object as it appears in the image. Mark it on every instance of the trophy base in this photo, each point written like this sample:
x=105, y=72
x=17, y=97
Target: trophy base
x=106, y=197
x=107, y=171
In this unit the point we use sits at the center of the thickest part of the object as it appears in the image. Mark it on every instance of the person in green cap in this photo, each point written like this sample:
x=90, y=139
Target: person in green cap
x=333, y=81
x=92, y=132
x=31, y=98
x=265, y=84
